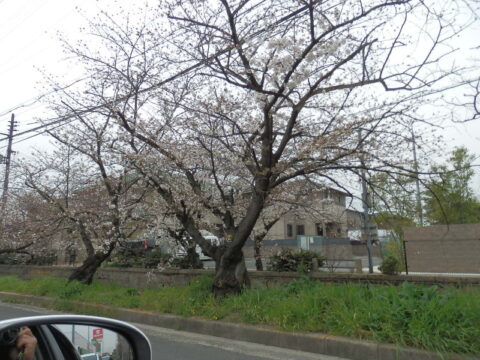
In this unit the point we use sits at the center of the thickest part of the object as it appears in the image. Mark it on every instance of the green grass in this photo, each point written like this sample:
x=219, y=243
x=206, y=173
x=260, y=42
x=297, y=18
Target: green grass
x=443, y=320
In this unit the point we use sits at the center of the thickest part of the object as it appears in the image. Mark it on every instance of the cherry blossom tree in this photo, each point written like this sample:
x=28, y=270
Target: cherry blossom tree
x=222, y=102
x=26, y=223
x=91, y=189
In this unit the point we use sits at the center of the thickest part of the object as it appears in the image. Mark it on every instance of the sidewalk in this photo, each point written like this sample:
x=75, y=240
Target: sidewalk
x=309, y=342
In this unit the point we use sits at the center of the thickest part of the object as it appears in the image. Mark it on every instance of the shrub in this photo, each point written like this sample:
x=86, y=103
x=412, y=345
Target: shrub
x=185, y=263
x=154, y=258
x=13, y=259
x=45, y=257
x=395, y=248
x=149, y=259
x=122, y=260
x=390, y=266
x=289, y=260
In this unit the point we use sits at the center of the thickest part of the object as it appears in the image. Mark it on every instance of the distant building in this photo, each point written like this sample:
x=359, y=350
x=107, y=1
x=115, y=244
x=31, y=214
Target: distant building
x=325, y=216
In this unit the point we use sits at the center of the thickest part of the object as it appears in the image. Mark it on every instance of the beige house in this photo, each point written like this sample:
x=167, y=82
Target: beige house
x=325, y=216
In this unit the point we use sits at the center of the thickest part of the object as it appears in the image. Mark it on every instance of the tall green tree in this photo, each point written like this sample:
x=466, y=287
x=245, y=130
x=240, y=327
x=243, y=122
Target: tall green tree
x=449, y=198
x=393, y=198
x=394, y=204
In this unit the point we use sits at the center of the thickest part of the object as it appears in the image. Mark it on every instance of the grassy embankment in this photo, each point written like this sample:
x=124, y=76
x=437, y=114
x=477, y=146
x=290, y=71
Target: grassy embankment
x=443, y=320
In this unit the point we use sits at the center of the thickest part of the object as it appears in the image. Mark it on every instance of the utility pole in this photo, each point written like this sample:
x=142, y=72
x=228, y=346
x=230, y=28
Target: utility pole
x=7, y=161
x=417, y=181
x=67, y=179
x=366, y=207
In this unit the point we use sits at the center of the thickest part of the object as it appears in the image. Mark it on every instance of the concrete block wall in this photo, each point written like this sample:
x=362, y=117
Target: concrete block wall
x=443, y=248
x=361, y=250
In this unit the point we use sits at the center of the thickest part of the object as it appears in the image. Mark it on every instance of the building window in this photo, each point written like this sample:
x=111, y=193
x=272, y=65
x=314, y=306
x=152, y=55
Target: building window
x=289, y=230
x=319, y=228
x=300, y=229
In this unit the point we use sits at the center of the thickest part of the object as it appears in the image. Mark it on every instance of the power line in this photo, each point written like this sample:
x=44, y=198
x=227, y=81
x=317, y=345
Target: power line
x=34, y=40
x=43, y=126
x=13, y=28
x=195, y=66
x=37, y=134
x=39, y=97
x=34, y=100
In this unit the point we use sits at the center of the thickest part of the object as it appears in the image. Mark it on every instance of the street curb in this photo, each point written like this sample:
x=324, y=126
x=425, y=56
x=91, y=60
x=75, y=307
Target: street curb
x=309, y=342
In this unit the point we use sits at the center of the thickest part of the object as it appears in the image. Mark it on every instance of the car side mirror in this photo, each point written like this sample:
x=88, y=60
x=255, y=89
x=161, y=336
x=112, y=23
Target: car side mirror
x=80, y=337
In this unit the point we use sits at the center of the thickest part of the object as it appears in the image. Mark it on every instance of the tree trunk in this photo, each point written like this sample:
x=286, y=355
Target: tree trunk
x=193, y=258
x=257, y=246
x=230, y=273
x=87, y=270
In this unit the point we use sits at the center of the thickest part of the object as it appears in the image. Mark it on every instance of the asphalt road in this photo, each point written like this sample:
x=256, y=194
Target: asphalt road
x=178, y=345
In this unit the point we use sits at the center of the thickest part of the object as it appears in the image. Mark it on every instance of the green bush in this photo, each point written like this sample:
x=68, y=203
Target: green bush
x=395, y=248
x=13, y=259
x=154, y=258
x=185, y=263
x=45, y=257
x=122, y=260
x=390, y=266
x=297, y=261
x=149, y=259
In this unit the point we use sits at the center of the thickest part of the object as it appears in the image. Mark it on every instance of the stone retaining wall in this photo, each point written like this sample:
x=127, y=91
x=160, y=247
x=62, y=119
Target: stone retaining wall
x=141, y=278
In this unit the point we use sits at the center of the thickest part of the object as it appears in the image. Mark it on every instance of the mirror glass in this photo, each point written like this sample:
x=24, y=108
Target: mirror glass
x=96, y=343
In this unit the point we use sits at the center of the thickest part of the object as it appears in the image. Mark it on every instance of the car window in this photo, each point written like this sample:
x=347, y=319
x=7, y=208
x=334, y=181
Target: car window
x=49, y=345
x=39, y=353
x=68, y=350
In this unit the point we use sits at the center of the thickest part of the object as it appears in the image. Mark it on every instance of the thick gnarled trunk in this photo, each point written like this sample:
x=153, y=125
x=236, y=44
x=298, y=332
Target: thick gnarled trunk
x=230, y=273
x=87, y=270
x=193, y=259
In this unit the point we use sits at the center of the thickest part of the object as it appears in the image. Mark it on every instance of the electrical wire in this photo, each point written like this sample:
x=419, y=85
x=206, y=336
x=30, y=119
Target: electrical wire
x=38, y=98
x=27, y=57
x=189, y=69
x=13, y=28
x=44, y=126
x=35, y=135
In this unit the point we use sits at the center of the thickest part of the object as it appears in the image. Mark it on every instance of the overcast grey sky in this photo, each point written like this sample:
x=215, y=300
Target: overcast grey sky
x=30, y=45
